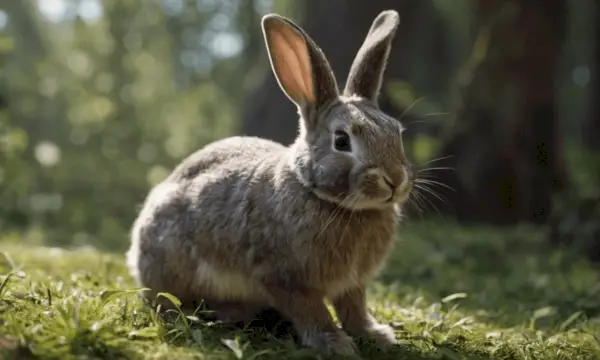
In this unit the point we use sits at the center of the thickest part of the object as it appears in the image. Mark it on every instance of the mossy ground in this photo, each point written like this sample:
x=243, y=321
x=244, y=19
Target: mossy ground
x=450, y=292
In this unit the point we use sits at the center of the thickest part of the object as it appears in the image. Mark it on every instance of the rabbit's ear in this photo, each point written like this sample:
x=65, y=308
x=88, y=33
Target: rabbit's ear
x=299, y=65
x=369, y=65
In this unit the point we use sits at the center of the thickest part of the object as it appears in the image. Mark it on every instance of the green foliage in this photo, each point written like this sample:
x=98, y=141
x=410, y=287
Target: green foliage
x=96, y=111
x=441, y=291
x=584, y=168
x=420, y=116
x=575, y=224
x=575, y=221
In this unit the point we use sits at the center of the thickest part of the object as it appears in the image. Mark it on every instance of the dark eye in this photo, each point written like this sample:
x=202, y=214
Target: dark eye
x=342, y=141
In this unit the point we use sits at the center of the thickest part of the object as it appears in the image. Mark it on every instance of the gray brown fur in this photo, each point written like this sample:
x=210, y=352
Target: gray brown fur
x=251, y=221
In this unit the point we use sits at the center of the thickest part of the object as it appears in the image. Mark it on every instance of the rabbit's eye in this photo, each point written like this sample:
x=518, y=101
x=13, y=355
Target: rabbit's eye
x=342, y=141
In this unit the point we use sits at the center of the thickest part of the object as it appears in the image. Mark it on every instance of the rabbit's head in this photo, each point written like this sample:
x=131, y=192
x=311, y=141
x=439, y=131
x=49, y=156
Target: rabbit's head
x=348, y=151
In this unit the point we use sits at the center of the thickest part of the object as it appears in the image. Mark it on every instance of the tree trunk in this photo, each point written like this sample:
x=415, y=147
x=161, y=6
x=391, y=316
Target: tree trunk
x=575, y=222
x=591, y=127
x=502, y=142
x=339, y=28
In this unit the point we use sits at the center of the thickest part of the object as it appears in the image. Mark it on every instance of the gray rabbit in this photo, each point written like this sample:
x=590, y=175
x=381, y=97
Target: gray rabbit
x=251, y=222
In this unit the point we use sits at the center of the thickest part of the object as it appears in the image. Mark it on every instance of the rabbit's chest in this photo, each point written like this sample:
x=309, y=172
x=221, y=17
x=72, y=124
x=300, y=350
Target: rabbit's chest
x=355, y=261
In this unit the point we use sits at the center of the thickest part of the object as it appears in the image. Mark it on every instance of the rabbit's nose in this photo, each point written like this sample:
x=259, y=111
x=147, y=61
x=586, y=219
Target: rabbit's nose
x=389, y=183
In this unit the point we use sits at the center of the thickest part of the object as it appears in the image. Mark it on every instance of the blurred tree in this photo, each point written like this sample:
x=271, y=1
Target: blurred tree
x=19, y=126
x=591, y=131
x=94, y=116
x=503, y=142
x=575, y=224
x=339, y=28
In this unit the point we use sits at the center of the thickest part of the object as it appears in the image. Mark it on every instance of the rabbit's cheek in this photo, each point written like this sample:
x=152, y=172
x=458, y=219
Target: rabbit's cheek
x=333, y=179
x=407, y=190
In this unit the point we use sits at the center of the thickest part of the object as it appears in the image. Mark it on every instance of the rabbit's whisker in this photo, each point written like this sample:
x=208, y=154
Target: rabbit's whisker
x=435, y=168
x=434, y=183
x=413, y=104
x=412, y=201
x=422, y=121
x=436, y=114
x=436, y=160
x=338, y=210
x=418, y=199
x=353, y=202
x=424, y=200
x=430, y=191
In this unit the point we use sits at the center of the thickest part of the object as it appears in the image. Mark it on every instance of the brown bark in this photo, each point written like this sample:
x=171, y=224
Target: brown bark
x=503, y=141
x=339, y=28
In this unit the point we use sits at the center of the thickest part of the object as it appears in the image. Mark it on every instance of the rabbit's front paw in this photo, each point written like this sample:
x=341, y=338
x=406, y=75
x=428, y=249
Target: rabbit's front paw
x=381, y=333
x=338, y=342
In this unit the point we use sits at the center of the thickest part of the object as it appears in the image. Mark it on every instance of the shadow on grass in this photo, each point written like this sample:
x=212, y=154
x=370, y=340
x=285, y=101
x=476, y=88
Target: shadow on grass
x=507, y=279
x=270, y=336
x=506, y=275
x=511, y=281
x=261, y=343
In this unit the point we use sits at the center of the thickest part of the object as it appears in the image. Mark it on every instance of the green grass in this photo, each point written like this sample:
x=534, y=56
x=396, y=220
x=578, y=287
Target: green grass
x=450, y=293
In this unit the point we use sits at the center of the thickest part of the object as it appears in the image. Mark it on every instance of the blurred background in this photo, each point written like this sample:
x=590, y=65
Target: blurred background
x=99, y=100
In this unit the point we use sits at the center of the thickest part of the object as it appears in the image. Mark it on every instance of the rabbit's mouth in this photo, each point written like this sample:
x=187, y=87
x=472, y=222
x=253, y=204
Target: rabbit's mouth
x=359, y=201
x=368, y=194
x=401, y=195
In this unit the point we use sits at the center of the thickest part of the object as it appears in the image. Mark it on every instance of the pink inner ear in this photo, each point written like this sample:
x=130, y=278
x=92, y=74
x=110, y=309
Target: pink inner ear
x=292, y=63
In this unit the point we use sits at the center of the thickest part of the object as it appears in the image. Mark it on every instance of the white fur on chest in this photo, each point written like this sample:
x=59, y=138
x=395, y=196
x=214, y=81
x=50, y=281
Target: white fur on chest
x=227, y=285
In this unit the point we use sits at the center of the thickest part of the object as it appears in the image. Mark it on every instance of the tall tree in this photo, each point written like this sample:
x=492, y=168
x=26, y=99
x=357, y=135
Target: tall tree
x=575, y=222
x=502, y=141
x=17, y=120
x=591, y=133
x=338, y=27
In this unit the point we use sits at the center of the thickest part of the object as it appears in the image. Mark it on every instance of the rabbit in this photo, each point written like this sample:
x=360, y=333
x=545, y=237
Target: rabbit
x=251, y=222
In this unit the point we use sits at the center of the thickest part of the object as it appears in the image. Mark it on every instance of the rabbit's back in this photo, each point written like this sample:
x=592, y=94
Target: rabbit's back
x=186, y=239
x=221, y=154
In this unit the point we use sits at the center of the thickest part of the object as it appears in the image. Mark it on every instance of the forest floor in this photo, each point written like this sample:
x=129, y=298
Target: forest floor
x=450, y=293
